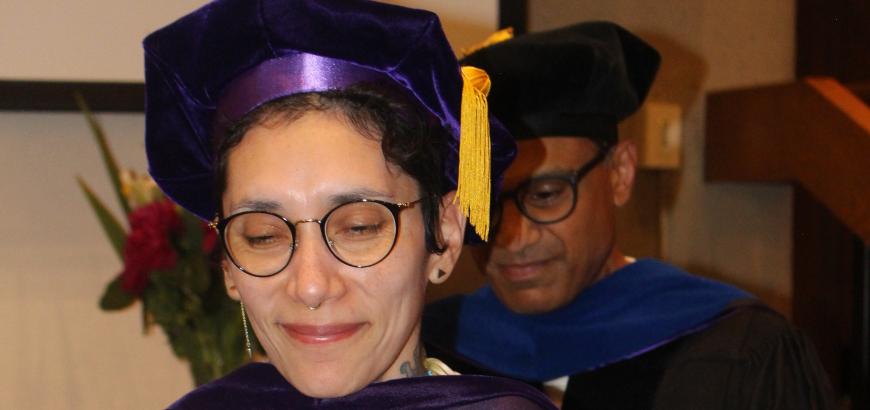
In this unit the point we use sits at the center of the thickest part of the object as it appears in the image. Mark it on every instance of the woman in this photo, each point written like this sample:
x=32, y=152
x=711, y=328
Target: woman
x=336, y=134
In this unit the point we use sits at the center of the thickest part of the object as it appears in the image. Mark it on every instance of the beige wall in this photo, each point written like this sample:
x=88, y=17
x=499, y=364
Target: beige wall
x=100, y=39
x=81, y=39
x=465, y=22
x=59, y=350
x=738, y=232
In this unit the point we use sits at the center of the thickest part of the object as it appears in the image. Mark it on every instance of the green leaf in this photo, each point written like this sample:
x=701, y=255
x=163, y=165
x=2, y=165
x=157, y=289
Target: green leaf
x=105, y=151
x=196, y=274
x=114, y=230
x=192, y=232
x=165, y=303
x=114, y=297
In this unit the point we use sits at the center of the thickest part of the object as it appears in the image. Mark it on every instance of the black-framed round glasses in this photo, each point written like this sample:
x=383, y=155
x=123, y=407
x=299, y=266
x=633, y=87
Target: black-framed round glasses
x=548, y=199
x=359, y=233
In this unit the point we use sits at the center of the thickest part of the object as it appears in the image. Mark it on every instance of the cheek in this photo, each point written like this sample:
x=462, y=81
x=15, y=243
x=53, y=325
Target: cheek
x=258, y=294
x=587, y=239
x=399, y=286
x=399, y=280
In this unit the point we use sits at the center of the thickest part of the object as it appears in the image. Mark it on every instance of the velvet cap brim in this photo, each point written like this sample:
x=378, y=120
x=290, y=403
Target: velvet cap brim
x=579, y=80
x=192, y=65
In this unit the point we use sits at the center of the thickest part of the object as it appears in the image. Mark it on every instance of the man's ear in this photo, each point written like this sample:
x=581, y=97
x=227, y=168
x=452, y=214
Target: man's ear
x=452, y=235
x=232, y=290
x=623, y=165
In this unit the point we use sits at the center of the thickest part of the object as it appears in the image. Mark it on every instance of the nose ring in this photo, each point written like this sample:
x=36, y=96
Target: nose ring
x=313, y=307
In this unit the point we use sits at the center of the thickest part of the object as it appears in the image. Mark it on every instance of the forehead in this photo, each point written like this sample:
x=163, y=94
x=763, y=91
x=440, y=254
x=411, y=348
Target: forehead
x=313, y=157
x=544, y=155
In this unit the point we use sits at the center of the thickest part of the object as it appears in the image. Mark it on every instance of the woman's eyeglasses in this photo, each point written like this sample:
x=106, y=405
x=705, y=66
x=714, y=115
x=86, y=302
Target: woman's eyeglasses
x=359, y=233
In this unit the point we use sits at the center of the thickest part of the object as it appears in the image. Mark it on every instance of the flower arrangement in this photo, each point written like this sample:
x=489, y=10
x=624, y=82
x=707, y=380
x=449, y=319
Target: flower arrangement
x=171, y=266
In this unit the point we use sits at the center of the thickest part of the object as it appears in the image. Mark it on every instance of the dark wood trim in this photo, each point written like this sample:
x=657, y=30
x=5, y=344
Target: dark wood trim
x=58, y=96
x=773, y=134
x=513, y=13
x=831, y=39
x=823, y=290
x=861, y=334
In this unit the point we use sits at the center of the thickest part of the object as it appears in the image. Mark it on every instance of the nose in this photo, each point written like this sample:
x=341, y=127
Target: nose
x=313, y=278
x=515, y=230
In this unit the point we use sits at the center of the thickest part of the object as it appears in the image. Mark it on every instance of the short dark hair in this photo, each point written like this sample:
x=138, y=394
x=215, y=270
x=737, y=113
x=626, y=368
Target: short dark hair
x=411, y=138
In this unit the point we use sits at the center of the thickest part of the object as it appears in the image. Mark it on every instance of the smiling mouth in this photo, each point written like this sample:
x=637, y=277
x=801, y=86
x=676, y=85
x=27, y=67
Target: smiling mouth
x=310, y=334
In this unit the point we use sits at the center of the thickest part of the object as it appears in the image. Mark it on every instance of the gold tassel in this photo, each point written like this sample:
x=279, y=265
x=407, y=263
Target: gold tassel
x=497, y=37
x=473, y=187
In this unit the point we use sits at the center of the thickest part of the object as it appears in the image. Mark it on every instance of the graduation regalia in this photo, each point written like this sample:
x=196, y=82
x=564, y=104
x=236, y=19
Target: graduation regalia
x=649, y=335
x=260, y=386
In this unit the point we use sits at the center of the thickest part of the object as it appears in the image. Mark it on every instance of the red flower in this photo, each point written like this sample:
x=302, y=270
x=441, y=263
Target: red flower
x=148, y=246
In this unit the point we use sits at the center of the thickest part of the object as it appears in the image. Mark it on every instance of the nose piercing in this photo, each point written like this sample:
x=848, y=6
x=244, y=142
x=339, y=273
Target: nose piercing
x=313, y=307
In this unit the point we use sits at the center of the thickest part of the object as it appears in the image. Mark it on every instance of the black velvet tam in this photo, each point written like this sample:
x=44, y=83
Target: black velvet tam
x=579, y=80
x=231, y=56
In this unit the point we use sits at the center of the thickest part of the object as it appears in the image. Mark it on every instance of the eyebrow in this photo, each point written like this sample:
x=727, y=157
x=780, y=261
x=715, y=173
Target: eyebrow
x=256, y=205
x=558, y=172
x=356, y=195
x=332, y=200
x=550, y=173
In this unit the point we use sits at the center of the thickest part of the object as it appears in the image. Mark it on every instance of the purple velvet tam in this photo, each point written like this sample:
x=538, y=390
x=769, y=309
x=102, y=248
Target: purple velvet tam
x=225, y=59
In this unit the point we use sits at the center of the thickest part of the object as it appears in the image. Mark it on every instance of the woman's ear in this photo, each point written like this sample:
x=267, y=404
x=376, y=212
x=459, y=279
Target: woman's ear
x=452, y=234
x=232, y=290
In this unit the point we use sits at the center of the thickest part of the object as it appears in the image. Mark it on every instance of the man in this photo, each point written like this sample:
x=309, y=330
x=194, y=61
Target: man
x=564, y=302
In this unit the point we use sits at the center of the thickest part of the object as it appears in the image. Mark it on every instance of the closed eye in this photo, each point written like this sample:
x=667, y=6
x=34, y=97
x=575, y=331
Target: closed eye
x=261, y=241
x=363, y=230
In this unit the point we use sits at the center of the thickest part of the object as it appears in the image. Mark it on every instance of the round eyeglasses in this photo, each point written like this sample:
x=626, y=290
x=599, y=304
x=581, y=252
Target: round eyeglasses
x=360, y=233
x=549, y=199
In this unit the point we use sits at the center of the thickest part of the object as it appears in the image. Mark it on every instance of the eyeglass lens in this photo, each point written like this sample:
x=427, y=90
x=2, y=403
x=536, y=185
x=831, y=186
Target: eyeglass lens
x=358, y=233
x=547, y=199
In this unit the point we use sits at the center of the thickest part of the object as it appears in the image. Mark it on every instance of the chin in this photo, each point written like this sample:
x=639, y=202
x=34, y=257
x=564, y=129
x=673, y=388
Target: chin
x=323, y=386
x=529, y=301
x=528, y=308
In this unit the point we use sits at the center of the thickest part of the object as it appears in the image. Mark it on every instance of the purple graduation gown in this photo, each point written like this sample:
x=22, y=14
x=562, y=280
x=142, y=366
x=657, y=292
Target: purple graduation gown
x=261, y=386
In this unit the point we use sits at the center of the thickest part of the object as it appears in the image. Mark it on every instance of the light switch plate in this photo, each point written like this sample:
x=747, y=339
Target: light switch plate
x=658, y=131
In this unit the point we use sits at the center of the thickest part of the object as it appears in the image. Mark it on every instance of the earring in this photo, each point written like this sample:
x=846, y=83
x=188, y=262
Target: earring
x=438, y=277
x=247, y=335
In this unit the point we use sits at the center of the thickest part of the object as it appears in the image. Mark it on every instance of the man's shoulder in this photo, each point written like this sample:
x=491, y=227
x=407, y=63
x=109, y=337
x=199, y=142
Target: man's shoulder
x=749, y=328
x=750, y=356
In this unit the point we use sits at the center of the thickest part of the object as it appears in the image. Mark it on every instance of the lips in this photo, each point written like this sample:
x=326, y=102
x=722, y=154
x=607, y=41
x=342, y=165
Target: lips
x=311, y=334
x=521, y=272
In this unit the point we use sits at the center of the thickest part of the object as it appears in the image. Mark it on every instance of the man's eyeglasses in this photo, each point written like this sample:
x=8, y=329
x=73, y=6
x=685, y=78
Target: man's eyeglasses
x=359, y=233
x=550, y=199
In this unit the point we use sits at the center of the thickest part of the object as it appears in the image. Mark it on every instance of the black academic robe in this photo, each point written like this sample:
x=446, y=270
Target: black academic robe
x=749, y=360
x=743, y=356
